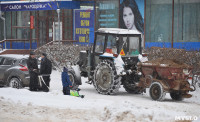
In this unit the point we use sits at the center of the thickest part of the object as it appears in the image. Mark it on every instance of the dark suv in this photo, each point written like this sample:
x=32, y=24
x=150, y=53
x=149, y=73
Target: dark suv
x=14, y=71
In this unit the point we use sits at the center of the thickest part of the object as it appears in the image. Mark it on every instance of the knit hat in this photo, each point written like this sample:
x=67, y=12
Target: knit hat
x=65, y=69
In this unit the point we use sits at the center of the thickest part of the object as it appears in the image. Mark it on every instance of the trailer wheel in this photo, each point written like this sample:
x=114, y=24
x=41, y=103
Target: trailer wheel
x=176, y=96
x=106, y=81
x=156, y=91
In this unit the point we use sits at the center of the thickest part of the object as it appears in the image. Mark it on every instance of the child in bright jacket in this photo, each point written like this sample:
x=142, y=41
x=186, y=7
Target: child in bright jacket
x=66, y=82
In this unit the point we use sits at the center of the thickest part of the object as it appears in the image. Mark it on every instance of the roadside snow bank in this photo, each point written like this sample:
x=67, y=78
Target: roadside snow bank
x=130, y=112
x=55, y=98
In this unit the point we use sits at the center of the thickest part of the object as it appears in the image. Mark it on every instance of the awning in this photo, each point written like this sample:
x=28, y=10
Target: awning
x=35, y=6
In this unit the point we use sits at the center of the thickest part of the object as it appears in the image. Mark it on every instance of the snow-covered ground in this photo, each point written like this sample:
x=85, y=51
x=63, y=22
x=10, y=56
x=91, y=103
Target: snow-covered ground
x=23, y=105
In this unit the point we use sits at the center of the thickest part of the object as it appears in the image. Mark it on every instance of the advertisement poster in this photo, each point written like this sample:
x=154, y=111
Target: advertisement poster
x=84, y=26
x=132, y=15
x=107, y=15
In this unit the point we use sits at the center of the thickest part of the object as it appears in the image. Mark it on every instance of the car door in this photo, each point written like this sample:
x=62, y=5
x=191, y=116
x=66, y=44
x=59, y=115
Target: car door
x=6, y=64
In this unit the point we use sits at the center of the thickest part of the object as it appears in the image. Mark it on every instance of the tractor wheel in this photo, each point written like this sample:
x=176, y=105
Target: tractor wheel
x=130, y=85
x=72, y=79
x=105, y=77
x=176, y=96
x=156, y=91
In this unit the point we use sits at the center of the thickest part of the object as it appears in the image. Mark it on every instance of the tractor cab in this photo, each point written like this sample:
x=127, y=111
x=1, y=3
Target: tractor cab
x=126, y=43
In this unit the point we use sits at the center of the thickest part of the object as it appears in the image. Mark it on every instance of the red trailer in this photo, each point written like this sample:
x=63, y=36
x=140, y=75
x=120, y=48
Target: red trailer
x=165, y=76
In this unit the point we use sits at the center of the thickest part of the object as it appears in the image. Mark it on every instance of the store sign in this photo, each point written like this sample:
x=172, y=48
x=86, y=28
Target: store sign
x=40, y=6
x=31, y=22
x=84, y=26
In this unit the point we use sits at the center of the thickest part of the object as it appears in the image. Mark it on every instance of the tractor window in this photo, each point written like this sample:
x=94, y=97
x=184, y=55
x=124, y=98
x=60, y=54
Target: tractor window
x=133, y=45
x=100, y=40
x=130, y=45
x=111, y=44
x=123, y=44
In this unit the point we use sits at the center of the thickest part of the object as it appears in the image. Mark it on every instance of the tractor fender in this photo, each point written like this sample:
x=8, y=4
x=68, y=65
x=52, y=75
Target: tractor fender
x=106, y=57
x=77, y=74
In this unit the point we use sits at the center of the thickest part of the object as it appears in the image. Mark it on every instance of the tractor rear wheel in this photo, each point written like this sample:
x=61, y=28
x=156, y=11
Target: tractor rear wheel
x=106, y=81
x=156, y=91
x=176, y=96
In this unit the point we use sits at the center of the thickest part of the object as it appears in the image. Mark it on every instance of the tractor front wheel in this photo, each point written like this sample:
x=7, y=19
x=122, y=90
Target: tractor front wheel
x=106, y=81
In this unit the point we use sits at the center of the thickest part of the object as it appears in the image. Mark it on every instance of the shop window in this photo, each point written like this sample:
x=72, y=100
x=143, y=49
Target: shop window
x=158, y=22
x=186, y=22
x=21, y=25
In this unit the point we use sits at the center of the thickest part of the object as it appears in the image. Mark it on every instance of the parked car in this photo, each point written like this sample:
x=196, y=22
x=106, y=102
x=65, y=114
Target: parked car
x=14, y=71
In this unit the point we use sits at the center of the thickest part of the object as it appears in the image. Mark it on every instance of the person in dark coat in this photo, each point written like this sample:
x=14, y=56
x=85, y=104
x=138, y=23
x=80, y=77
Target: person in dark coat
x=45, y=71
x=33, y=71
x=66, y=82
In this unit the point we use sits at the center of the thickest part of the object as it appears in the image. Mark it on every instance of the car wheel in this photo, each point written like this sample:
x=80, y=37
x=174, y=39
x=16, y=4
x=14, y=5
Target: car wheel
x=15, y=83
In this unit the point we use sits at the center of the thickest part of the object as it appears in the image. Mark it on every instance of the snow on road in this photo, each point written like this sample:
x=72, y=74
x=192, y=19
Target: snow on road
x=23, y=105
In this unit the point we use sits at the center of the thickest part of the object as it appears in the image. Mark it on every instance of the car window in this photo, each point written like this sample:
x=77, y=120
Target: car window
x=100, y=43
x=1, y=60
x=23, y=62
x=8, y=61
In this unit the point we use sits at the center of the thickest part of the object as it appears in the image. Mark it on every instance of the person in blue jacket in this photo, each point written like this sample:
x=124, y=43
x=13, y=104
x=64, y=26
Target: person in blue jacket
x=66, y=82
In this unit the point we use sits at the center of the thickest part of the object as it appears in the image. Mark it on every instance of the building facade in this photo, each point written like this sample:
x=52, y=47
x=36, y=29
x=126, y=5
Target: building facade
x=163, y=23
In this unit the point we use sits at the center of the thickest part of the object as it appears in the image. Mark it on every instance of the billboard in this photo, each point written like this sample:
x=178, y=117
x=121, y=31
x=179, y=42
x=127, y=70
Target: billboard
x=84, y=26
x=132, y=15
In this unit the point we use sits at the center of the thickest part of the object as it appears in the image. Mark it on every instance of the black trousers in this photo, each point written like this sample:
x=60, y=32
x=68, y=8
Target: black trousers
x=33, y=81
x=47, y=81
x=66, y=90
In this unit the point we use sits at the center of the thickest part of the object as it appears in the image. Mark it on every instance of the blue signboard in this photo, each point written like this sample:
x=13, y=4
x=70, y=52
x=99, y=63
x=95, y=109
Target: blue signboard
x=31, y=6
x=84, y=26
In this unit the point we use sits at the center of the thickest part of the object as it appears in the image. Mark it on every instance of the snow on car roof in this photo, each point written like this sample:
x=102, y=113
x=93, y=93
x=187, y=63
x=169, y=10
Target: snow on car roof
x=16, y=56
x=117, y=31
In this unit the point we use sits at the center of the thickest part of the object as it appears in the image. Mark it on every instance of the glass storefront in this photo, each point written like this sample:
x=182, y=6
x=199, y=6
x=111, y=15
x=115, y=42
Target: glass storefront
x=45, y=27
x=173, y=23
x=187, y=24
x=158, y=22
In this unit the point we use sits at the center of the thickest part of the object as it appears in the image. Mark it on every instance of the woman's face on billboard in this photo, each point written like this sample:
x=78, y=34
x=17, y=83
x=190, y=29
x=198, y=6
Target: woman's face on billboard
x=128, y=17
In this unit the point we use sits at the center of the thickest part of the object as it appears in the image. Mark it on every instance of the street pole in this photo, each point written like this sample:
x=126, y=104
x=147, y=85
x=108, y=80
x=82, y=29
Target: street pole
x=58, y=11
